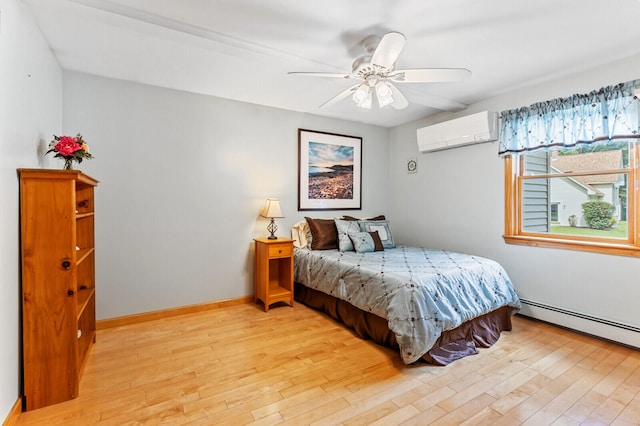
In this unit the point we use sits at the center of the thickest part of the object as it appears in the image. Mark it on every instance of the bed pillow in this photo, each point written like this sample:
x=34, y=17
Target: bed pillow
x=382, y=226
x=362, y=242
x=377, y=243
x=299, y=233
x=351, y=218
x=324, y=235
x=344, y=228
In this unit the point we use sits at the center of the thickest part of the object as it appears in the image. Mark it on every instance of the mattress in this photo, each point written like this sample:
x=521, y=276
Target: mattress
x=421, y=293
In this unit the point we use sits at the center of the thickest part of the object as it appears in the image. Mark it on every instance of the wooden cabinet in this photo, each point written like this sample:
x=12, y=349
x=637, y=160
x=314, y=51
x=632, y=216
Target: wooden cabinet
x=58, y=281
x=273, y=271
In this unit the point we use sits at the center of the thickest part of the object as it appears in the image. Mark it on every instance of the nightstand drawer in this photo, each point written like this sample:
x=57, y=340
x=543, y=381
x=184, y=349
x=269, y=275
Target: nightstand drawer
x=280, y=250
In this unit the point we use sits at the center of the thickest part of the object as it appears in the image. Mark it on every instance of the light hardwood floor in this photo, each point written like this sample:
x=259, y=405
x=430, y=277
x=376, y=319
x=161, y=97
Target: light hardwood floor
x=295, y=366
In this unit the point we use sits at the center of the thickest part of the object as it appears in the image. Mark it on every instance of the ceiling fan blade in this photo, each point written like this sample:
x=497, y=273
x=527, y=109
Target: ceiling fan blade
x=418, y=96
x=429, y=75
x=320, y=74
x=399, y=101
x=340, y=96
x=388, y=50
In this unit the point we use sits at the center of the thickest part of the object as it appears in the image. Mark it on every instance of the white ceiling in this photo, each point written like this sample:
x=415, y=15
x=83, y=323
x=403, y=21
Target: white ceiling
x=243, y=49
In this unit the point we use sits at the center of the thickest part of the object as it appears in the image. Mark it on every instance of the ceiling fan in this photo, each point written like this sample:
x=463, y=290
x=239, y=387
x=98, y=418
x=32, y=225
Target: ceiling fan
x=375, y=71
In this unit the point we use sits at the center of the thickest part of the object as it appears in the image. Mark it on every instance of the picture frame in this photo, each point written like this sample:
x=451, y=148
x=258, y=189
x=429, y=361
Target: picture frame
x=329, y=171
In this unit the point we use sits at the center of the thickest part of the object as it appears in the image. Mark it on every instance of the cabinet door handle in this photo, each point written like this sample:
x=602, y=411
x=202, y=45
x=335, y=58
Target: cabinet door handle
x=66, y=264
x=70, y=292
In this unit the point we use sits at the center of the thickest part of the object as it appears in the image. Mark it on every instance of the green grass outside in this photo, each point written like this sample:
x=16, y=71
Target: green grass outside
x=619, y=231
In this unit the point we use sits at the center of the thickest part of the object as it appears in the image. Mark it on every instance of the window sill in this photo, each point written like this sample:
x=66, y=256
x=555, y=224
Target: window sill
x=619, y=249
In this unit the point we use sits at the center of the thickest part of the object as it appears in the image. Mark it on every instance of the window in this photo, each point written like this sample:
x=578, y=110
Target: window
x=554, y=212
x=571, y=171
x=581, y=198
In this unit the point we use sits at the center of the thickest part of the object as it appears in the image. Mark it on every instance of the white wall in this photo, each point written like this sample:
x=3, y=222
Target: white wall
x=456, y=202
x=182, y=180
x=30, y=113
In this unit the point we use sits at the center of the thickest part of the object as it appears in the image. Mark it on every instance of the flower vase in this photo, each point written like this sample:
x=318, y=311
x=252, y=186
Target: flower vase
x=68, y=164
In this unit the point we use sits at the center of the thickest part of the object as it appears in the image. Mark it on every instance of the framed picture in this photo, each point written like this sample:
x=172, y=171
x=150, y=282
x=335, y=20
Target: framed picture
x=329, y=171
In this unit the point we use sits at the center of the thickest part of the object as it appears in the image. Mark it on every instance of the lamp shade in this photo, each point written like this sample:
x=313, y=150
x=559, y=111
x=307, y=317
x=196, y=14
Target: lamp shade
x=384, y=94
x=362, y=96
x=272, y=208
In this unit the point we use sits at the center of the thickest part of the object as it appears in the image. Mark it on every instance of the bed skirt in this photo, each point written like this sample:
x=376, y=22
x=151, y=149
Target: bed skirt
x=482, y=331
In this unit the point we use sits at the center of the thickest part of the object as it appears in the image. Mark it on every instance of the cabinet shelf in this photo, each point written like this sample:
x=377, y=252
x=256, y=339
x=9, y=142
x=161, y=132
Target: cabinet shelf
x=84, y=215
x=84, y=294
x=58, y=296
x=275, y=291
x=82, y=254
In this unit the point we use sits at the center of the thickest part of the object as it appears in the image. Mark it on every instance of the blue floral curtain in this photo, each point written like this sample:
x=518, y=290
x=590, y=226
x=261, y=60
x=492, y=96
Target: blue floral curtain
x=604, y=115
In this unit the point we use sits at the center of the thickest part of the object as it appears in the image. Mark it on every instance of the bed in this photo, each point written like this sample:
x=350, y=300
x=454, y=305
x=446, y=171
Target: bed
x=430, y=305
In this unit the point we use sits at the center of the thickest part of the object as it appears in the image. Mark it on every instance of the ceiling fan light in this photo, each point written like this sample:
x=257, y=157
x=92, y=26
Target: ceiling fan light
x=384, y=94
x=362, y=96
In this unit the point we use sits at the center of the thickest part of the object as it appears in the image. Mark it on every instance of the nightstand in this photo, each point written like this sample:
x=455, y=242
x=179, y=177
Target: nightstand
x=273, y=271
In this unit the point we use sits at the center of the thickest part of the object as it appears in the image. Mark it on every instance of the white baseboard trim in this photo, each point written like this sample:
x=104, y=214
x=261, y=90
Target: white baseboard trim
x=606, y=329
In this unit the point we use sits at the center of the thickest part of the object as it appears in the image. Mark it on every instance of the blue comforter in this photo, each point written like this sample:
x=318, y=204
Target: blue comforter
x=420, y=292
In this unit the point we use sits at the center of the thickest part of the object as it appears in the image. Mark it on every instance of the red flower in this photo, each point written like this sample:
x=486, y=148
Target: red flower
x=67, y=145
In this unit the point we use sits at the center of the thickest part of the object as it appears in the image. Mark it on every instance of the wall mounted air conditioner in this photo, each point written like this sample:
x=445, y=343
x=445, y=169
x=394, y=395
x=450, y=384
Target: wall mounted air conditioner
x=471, y=129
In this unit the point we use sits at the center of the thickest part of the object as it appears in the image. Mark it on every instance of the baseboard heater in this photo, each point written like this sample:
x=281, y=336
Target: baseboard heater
x=625, y=334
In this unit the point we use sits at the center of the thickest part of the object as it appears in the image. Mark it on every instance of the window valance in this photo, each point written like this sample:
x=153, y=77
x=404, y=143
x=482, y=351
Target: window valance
x=604, y=115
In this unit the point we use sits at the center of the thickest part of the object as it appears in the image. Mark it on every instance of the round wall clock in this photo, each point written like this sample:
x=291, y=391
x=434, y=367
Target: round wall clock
x=412, y=165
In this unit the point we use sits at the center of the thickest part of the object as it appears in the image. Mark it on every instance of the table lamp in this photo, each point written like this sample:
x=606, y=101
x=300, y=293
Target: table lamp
x=271, y=211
